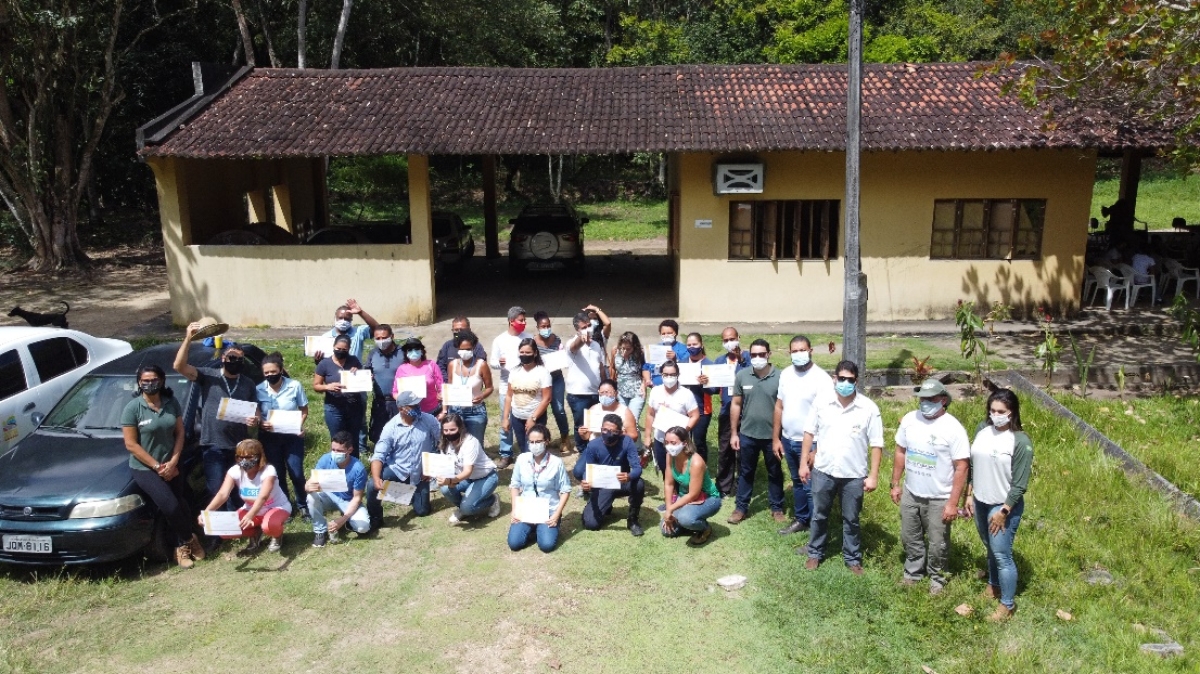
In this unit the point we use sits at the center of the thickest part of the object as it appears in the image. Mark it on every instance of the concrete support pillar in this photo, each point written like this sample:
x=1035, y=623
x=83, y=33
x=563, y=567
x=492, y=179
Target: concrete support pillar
x=256, y=206
x=420, y=214
x=282, y=196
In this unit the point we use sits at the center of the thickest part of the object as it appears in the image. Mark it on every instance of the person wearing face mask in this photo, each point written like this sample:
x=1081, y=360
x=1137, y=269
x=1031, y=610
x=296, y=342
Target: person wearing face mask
x=383, y=361
x=609, y=403
x=548, y=342
x=627, y=367
x=727, y=459
x=528, y=395
x=285, y=452
x=843, y=427
x=468, y=369
x=612, y=448
x=397, y=456
x=472, y=490
x=698, y=356
x=932, y=456
x=152, y=425
x=1001, y=464
x=348, y=504
x=416, y=365
x=343, y=411
x=217, y=437
x=449, y=350
x=690, y=493
x=668, y=335
x=587, y=366
x=799, y=385
x=672, y=396
x=343, y=325
x=752, y=416
x=503, y=358
x=266, y=509
x=542, y=475
x=599, y=324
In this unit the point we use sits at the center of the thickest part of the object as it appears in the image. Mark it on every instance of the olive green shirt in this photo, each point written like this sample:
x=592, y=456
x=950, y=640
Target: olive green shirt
x=758, y=402
x=156, y=430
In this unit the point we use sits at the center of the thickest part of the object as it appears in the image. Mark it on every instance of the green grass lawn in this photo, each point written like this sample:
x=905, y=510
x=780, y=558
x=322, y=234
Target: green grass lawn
x=1161, y=197
x=893, y=352
x=438, y=598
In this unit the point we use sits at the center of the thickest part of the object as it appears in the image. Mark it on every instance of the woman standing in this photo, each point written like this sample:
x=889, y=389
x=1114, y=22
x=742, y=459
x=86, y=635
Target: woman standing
x=528, y=395
x=540, y=474
x=672, y=396
x=343, y=411
x=548, y=342
x=469, y=370
x=627, y=364
x=698, y=356
x=1001, y=464
x=285, y=451
x=472, y=490
x=152, y=425
x=266, y=509
x=417, y=365
x=690, y=493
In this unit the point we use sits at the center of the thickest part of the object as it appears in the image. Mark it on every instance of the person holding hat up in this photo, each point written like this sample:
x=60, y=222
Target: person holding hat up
x=933, y=453
x=416, y=364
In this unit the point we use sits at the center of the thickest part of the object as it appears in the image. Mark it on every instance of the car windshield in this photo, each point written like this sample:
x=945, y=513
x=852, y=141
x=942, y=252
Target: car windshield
x=96, y=403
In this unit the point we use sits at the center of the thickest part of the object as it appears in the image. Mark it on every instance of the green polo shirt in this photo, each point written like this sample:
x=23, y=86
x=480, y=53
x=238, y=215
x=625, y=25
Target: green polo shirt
x=156, y=430
x=758, y=402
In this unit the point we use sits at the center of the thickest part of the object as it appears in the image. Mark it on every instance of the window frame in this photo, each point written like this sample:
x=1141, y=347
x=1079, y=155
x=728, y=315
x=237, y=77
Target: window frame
x=989, y=235
x=67, y=349
x=7, y=377
x=787, y=228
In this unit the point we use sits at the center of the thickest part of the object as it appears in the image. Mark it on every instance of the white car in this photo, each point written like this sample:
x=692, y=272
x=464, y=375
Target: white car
x=37, y=367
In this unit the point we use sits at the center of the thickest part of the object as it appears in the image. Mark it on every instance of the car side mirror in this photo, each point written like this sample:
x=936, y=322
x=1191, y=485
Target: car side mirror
x=583, y=221
x=37, y=418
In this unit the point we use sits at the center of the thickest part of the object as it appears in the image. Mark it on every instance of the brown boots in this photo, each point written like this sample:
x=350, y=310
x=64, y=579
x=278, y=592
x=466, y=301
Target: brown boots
x=566, y=443
x=192, y=550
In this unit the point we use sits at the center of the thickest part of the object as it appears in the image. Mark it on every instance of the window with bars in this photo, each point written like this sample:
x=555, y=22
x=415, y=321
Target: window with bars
x=793, y=230
x=987, y=229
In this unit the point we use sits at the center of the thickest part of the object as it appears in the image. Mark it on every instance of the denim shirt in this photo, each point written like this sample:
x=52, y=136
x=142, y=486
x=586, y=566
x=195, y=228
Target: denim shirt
x=290, y=397
x=400, y=446
x=551, y=482
x=357, y=334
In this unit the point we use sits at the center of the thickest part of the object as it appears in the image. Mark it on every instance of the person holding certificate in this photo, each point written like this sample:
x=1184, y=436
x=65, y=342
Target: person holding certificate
x=397, y=456
x=266, y=509
x=348, y=503
x=612, y=452
x=285, y=450
x=690, y=493
x=472, y=490
x=343, y=411
x=673, y=349
x=698, y=358
x=547, y=343
x=152, y=425
x=528, y=395
x=470, y=371
x=587, y=365
x=610, y=403
x=417, y=365
x=678, y=401
x=540, y=475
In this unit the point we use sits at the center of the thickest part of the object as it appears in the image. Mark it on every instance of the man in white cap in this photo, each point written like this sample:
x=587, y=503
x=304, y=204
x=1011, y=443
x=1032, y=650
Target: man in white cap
x=932, y=455
x=397, y=456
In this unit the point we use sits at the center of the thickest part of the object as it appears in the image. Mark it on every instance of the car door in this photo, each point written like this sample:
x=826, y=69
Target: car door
x=57, y=364
x=17, y=390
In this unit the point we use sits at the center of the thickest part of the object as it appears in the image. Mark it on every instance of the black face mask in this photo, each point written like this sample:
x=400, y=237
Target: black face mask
x=610, y=437
x=340, y=353
x=525, y=360
x=151, y=387
x=274, y=378
x=452, y=437
x=233, y=366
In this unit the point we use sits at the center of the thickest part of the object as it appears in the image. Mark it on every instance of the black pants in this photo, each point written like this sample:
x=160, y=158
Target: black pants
x=382, y=411
x=171, y=499
x=727, y=459
x=600, y=503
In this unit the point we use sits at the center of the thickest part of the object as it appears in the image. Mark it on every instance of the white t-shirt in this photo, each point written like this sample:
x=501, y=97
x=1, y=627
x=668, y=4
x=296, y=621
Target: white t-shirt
x=991, y=464
x=931, y=448
x=249, y=489
x=470, y=453
x=797, y=391
x=505, y=346
x=682, y=400
x=583, y=376
x=844, y=434
x=527, y=388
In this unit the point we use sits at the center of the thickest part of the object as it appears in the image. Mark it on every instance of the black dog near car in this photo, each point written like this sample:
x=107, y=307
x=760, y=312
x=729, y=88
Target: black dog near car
x=38, y=320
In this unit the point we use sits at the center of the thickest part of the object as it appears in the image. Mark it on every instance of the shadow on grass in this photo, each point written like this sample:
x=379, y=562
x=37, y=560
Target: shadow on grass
x=135, y=567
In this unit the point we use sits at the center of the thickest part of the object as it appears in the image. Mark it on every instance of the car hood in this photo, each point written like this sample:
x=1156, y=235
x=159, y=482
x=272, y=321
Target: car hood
x=58, y=470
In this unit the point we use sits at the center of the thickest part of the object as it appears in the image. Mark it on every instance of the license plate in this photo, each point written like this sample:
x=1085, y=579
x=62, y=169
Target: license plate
x=538, y=266
x=34, y=544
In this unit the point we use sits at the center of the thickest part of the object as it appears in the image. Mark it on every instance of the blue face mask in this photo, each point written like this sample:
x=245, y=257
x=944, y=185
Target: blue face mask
x=844, y=388
x=695, y=350
x=415, y=354
x=930, y=408
x=545, y=332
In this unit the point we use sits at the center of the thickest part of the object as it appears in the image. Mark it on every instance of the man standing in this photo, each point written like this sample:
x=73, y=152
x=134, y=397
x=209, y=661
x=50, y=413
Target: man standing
x=933, y=453
x=383, y=362
x=504, y=357
x=612, y=448
x=449, y=350
x=727, y=459
x=398, y=456
x=752, y=417
x=799, y=386
x=587, y=361
x=347, y=503
x=343, y=324
x=844, y=426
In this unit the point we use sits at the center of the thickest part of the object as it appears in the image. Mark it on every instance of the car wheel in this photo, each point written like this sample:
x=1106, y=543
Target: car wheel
x=161, y=547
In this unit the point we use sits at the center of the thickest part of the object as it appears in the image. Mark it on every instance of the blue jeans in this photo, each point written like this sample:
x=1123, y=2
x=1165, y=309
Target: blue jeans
x=518, y=432
x=216, y=462
x=521, y=536
x=420, y=500
x=347, y=418
x=506, y=437
x=599, y=504
x=286, y=454
x=850, y=491
x=700, y=435
x=473, y=496
x=474, y=418
x=694, y=517
x=635, y=406
x=801, y=495
x=1002, y=570
x=558, y=391
x=748, y=465
x=579, y=405
x=320, y=502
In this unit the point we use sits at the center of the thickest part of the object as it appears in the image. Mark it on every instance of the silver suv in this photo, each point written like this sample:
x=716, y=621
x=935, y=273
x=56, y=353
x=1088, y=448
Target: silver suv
x=546, y=236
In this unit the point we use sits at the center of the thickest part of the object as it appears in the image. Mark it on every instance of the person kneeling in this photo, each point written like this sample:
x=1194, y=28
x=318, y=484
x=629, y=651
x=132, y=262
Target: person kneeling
x=472, y=490
x=612, y=448
x=348, y=503
x=397, y=456
x=539, y=474
x=258, y=485
x=691, y=495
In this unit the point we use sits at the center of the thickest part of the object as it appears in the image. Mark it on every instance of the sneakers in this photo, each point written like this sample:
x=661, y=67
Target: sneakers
x=320, y=539
x=183, y=556
x=494, y=510
x=196, y=548
x=700, y=538
x=274, y=545
x=635, y=528
x=736, y=517
x=455, y=516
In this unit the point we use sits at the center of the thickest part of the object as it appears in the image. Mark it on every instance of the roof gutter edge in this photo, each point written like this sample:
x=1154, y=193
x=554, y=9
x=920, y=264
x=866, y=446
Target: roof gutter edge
x=160, y=128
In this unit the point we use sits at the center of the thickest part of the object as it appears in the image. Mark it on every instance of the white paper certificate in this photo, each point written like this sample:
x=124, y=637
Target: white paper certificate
x=312, y=345
x=358, y=381
x=666, y=418
x=290, y=422
x=656, y=354
x=457, y=395
x=221, y=523
x=237, y=411
x=603, y=477
x=397, y=492
x=595, y=419
x=689, y=374
x=438, y=465
x=556, y=360
x=331, y=479
x=719, y=376
x=415, y=385
x=532, y=510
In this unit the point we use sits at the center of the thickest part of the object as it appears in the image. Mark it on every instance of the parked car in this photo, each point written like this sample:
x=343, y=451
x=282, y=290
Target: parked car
x=452, y=239
x=368, y=233
x=39, y=365
x=546, y=236
x=67, y=494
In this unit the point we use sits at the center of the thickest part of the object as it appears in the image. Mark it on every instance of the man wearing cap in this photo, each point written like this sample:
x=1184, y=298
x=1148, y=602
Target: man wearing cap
x=504, y=357
x=449, y=350
x=397, y=456
x=933, y=453
x=612, y=448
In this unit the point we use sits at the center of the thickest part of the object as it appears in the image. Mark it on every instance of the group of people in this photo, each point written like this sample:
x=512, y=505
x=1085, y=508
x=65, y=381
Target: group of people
x=829, y=434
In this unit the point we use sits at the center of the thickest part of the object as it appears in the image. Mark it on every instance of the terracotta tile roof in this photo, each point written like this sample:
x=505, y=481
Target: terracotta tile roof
x=306, y=113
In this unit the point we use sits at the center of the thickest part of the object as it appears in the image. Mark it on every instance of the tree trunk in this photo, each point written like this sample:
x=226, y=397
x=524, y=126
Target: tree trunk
x=244, y=29
x=262, y=17
x=301, y=25
x=340, y=38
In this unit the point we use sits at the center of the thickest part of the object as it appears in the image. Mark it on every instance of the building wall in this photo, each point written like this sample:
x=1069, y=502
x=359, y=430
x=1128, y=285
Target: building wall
x=898, y=193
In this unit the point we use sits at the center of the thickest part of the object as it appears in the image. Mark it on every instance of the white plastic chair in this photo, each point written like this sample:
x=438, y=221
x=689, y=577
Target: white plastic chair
x=1089, y=287
x=1182, y=275
x=1132, y=287
x=1110, y=282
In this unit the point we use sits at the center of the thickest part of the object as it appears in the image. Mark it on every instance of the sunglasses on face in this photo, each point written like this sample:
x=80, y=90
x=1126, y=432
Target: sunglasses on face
x=760, y=354
x=849, y=379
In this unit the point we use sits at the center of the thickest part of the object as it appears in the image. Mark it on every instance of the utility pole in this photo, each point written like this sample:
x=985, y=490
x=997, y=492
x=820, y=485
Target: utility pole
x=854, y=305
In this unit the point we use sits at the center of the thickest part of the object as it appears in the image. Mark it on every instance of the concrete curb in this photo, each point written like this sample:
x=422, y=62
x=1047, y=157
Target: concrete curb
x=1182, y=501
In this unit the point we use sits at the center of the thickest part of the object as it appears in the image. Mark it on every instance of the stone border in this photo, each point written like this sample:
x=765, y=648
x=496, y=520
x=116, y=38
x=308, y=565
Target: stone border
x=1182, y=501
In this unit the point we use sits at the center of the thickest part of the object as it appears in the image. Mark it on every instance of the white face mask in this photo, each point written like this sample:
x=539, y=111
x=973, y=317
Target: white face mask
x=1000, y=419
x=758, y=363
x=801, y=358
x=930, y=408
x=674, y=449
x=731, y=345
x=465, y=355
x=341, y=325
x=537, y=448
x=667, y=339
x=670, y=381
x=384, y=344
x=338, y=457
